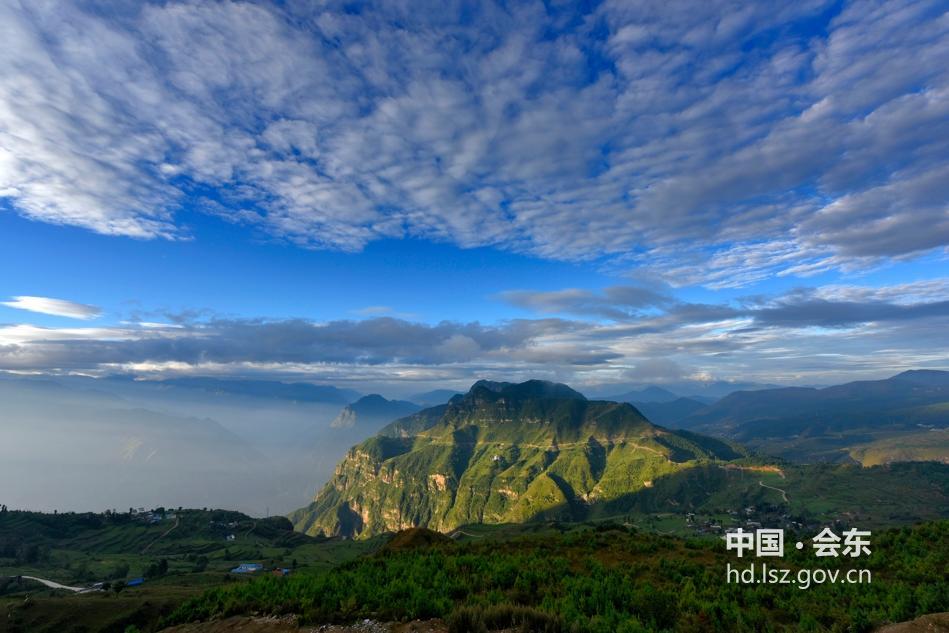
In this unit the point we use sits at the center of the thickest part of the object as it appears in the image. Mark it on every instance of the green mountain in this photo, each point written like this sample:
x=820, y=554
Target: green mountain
x=871, y=421
x=668, y=413
x=501, y=453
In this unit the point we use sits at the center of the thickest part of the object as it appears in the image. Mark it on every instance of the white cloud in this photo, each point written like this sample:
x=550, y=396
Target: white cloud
x=55, y=307
x=806, y=335
x=658, y=135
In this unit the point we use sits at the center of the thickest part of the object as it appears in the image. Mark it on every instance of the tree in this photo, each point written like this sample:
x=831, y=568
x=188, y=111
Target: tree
x=121, y=570
x=156, y=569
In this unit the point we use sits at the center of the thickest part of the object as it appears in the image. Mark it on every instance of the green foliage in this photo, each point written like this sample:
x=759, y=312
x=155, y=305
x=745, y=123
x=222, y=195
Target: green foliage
x=602, y=580
x=157, y=569
x=493, y=459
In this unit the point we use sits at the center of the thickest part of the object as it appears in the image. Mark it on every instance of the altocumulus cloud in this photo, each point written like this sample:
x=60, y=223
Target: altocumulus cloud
x=55, y=307
x=708, y=142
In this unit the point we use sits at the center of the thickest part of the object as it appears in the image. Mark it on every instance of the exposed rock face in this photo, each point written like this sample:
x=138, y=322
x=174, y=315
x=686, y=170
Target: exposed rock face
x=345, y=420
x=500, y=453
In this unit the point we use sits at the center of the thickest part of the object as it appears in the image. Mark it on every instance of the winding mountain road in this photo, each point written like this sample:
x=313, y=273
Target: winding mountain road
x=55, y=585
x=163, y=534
x=783, y=493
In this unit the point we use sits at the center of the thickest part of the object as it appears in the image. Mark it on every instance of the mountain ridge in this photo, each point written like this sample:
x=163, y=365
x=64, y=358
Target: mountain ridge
x=372, y=411
x=501, y=452
x=825, y=424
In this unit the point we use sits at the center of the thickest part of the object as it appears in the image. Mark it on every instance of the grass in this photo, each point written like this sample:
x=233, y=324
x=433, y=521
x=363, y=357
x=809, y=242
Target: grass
x=599, y=579
x=76, y=549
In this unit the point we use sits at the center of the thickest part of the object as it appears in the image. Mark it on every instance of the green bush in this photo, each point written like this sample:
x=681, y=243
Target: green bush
x=593, y=582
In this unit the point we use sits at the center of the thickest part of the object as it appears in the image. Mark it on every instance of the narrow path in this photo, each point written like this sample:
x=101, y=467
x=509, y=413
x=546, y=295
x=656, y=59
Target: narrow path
x=55, y=585
x=558, y=446
x=163, y=534
x=783, y=493
x=457, y=532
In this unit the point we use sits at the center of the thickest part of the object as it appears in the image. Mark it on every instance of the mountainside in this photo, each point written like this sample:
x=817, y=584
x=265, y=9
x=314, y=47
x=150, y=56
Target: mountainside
x=371, y=412
x=434, y=397
x=651, y=393
x=668, y=413
x=501, y=453
x=809, y=424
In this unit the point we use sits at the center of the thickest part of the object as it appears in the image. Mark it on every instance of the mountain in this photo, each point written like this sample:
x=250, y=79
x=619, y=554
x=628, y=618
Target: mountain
x=661, y=406
x=372, y=412
x=829, y=424
x=296, y=391
x=500, y=453
x=668, y=413
x=715, y=389
x=705, y=391
x=647, y=394
x=434, y=397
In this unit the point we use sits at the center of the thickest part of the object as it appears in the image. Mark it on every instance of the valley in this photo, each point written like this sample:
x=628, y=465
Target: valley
x=550, y=496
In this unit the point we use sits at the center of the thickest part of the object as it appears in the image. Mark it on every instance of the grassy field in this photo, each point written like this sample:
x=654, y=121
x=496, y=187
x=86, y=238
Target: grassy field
x=178, y=558
x=929, y=444
x=186, y=559
x=605, y=578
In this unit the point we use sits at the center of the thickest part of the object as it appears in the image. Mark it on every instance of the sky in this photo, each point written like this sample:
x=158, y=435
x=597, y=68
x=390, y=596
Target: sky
x=388, y=196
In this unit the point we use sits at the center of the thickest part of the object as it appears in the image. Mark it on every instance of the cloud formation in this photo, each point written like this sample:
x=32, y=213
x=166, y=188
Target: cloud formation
x=618, y=335
x=55, y=307
x=831, y=306
x=714, y=144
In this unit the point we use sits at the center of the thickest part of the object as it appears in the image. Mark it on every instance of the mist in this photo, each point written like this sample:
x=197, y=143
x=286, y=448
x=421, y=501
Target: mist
x=79, y=444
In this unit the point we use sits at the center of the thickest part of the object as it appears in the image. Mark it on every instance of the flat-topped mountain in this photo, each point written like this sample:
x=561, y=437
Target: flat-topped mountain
x=502, y=452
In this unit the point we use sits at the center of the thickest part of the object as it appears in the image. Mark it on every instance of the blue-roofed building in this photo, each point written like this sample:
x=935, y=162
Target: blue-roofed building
x=247, y=568
x=134, y=582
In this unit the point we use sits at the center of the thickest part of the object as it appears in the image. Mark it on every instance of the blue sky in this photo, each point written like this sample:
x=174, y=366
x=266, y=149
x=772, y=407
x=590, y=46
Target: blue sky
x=377, y=194
x=232, y=271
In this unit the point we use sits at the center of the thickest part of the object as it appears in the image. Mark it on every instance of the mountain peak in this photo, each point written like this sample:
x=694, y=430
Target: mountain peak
x=531, y=389
x=374, y=408
x=501, y=453
x=926, y=377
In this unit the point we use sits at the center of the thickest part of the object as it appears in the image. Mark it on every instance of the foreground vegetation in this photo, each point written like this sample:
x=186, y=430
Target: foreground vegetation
x=78, y=549
x=178, y=554
x=640, y=572
x=607, y=578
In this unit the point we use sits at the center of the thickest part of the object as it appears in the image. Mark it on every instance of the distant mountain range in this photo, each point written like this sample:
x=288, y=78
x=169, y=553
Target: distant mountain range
x=501, y=453
x=651, y=393
x=705, y=391
x=269, y=444
x=434, y=397
x=298, y=391
x=668, y=413
x=839, y=423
